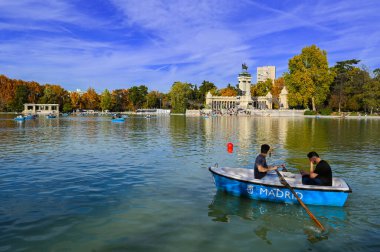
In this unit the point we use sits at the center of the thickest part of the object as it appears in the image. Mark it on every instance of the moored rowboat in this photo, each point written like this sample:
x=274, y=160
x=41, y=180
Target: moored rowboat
x=19, y=118
x=118, y=119
x=241, y=182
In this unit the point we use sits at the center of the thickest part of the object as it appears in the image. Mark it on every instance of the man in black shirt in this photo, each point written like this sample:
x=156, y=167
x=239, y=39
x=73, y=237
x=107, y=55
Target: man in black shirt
x=321, y=175
x=261, y=167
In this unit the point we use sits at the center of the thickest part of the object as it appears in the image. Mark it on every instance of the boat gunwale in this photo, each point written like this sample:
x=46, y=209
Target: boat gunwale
x=282, y=186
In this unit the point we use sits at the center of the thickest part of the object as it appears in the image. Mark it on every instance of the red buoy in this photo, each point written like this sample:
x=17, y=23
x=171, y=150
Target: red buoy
x=230, y=147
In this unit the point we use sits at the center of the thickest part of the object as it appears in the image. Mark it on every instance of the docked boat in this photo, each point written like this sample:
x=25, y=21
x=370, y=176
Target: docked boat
x=30, y=117
x=19, y=118
x=241, y=182
x=118, y=119
x=51, y=116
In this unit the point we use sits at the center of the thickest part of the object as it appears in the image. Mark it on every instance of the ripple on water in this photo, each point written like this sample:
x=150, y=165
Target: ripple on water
x=83, y=183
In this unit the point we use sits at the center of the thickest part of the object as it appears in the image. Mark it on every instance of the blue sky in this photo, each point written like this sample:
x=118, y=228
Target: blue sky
x=121, y=43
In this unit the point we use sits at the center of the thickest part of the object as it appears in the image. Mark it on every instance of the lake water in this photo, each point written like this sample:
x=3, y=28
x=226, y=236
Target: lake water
x=87, y=184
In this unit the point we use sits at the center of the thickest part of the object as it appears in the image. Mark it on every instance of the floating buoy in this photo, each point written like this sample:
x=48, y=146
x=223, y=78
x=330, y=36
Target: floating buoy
x=230, y=147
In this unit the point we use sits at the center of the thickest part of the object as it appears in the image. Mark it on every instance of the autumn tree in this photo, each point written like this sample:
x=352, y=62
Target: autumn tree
x=120, y=100
x=54, y=94
x=277, y=87
x=6, y=92
x=90, y=99
x=309, y=78
x=75, y=99
x=228, y=91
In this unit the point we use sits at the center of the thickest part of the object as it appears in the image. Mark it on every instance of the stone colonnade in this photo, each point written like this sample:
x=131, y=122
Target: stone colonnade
x=217, y=105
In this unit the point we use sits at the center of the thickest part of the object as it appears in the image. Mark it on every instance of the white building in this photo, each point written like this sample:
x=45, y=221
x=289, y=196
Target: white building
x=266, y=72
x=244, y=99
x=44, y=109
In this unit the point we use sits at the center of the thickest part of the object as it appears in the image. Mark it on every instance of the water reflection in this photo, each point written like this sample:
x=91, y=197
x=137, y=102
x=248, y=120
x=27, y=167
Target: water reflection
x=269, y=217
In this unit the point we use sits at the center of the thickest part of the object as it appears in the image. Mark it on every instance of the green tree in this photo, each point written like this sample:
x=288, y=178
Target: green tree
x=371, y=92
x=154, y=99
x=20, y=97
x=179, y=96
x=343, y=78
x=309, y=78
x=203, y=90
x=137, y=95
x=106, y=100
x=67, y=107
x=262, y=88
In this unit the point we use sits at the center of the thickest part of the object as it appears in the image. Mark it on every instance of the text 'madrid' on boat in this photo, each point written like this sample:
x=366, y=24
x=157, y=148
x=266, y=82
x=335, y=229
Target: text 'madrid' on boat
x=241, y=182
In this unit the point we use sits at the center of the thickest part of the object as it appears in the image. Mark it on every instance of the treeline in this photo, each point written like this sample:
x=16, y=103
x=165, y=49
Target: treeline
x=15, y=93
x=313, y=84
x=310, y=81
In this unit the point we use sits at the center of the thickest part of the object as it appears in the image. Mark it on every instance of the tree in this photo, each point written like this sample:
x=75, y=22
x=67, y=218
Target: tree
x=179, y=96
x=120, y=101
x=228, y=91
x=154, y=99
x=106, y=100
x=262, y=88
x=90, y=99
x=371, y=93
x=67, y=107
x=204, y=88
x=376, y=73
x=75, y=100
x=137, y=95
x=7, y=92
x=278, y=85
x=20, y=97
x=343, y=70
x=309, y=78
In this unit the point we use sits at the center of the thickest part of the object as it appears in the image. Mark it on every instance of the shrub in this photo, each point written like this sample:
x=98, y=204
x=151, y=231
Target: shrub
x=325, y=111
x=310, y=112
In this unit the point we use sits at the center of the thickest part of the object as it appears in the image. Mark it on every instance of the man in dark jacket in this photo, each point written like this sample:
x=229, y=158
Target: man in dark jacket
x=321, y=175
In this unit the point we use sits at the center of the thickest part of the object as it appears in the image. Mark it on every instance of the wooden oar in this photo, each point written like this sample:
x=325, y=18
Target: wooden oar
x=285, y=183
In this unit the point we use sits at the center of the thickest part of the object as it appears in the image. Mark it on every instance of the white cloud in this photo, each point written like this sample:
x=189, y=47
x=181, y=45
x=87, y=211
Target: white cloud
x=159, y=42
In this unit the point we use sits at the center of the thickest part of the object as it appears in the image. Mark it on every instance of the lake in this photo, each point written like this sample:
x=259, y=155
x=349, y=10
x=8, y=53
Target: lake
x=87, y=184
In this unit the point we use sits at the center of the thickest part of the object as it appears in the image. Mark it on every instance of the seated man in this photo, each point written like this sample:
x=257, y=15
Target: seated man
x=321, y=175
x=261, y=167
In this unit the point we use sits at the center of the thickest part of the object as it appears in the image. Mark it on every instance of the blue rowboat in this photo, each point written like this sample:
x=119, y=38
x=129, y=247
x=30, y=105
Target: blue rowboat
x=30, y=117
x=19, y=118
x=120, y=119
x=51, y=116
x=241, y=182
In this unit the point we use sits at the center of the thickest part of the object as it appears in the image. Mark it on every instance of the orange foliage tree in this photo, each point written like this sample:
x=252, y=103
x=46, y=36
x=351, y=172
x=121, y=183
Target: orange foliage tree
x=91, y=99
x=278, y=86
x=228, y=91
